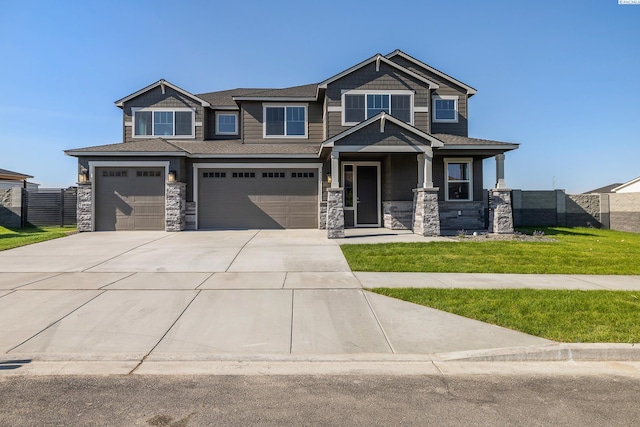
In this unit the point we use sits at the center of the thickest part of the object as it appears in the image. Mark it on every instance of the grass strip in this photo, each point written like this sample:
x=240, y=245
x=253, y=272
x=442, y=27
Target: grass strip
x=560, y=315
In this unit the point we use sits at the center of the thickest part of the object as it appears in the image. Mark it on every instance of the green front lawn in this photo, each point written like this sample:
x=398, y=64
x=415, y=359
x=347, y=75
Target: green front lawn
x=14, y=237
x=576, y=251
x=558, y=315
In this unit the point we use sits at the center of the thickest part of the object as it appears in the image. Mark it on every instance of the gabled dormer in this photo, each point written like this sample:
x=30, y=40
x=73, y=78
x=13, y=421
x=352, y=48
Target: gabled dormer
x=162, y=110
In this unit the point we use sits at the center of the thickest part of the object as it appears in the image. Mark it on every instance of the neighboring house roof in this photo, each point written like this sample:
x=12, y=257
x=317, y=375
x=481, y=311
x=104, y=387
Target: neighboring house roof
x=228, y=98
x=606, y=189
x=162, y=83
x=159, y=146
x=455, y=141
x=13, y=176
x=378, y=59
x=626, y=184
x=470, y=91
x=382, y=118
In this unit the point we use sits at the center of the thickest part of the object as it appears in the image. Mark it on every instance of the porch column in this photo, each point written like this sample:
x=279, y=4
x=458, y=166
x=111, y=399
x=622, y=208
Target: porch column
x=335, y=169
x=175, y=206
x=425, y=169
x=500, y=171
x=335, y=201
x=426, y=213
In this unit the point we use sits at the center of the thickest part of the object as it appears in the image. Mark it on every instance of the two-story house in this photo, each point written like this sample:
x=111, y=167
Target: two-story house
x=382, y=144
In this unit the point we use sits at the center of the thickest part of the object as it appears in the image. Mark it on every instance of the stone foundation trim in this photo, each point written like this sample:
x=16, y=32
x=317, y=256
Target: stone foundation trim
x=175, y=206
x=335, y=213
x=322, y=221
x=426, y=215
x=397, y=215
x=84, y=208
x=500, y=211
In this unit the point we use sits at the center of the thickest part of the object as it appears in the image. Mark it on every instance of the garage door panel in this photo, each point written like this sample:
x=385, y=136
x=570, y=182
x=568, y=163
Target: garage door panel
x=125, y=200
x=260, y=201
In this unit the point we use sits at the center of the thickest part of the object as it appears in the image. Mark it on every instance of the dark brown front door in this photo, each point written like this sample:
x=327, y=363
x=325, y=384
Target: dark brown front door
x=367, y=195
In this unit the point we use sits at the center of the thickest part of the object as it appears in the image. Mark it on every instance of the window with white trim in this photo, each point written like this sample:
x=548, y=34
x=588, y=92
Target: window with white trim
x=445, y=109
x=458, y=183
x=226, y=123
x=359, y=106
x=285, y=121
x=161, y=122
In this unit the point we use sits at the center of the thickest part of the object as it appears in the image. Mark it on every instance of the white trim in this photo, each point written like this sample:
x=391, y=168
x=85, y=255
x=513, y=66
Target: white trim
x=217, y=123
x=470, y=90
x=354, y=208
x=420, y=109
x=378, y=57
x=272, y=105
x=162, y=83
x=410, y=93
x=125, y=153
x=198, y=166
x=505, y=147
x=379, y=149
x=454, y=98
x=467, y=160
x=225, y=107
x=153, y=110
x=626, y=184
x=114, y=164
x=334, y=108
x=275, y=98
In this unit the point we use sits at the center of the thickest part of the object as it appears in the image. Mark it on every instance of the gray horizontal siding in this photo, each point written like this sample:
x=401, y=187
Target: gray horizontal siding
x=252, y=124
x=393, y=135
x=209, y=125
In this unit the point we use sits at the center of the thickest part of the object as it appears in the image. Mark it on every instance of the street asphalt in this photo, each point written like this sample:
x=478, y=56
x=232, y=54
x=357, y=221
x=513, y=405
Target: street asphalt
x=252, y=301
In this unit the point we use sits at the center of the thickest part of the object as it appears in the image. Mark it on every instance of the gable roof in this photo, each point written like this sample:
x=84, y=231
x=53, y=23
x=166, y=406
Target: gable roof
x=378, y=58
x=382, y=117
x=10, y=175
x=463, y=142
x=470, y=91
x=626, y=184
x=162, y=83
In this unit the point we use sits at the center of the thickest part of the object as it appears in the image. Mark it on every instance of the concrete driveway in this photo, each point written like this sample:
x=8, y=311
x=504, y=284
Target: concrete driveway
x=174, y=296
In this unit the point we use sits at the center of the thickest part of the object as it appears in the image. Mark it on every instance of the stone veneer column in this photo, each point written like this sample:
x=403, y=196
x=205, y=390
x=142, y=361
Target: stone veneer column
x=500, y=211
x=175, y=207
x=335, y=213
x=83, y=206
x=426, y=214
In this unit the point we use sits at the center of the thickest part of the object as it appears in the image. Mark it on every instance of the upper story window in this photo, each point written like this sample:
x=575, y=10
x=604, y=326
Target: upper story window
x=160, y=122
x=458, y=179
x=226, y=123
x=288, y=121
x=445, y=109
x=361, y=105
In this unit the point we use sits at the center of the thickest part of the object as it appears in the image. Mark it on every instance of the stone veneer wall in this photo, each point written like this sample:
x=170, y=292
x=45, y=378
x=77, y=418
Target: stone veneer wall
x=462, y=215
x=175, y=206
x=397, y=215
x=83, y=209
x=335, y=213
x=500, y=211
x=11, y=203
x=322, y=222
x=190, y=216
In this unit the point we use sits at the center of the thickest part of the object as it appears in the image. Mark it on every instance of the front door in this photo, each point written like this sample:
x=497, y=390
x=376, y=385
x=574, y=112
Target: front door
x=367, y=208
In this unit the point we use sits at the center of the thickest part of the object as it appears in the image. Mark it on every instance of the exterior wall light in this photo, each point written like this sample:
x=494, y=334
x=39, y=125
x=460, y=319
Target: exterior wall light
x=172, y=176
x=329, y=178
x=82, y=177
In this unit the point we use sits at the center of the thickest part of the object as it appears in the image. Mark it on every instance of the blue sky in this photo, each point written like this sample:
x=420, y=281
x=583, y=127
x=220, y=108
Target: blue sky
x=559, y=77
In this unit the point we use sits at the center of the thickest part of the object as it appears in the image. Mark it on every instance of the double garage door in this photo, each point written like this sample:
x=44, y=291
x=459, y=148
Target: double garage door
x=129, y=198
x=257, y=198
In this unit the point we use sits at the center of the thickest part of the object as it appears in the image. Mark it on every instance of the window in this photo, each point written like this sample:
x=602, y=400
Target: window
x=285, y=121
x=112, y=173
x=226, y=123
x=302, y=174
x=361, y=106
x=243, y=174
x=148, y=173
x=445, y=109
x=273, y=174
x=214, y=174
x=458, y=179
x=163, y=123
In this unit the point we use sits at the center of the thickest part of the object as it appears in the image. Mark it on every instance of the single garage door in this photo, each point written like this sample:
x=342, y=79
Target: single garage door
x=129, y=199
x=258, y=198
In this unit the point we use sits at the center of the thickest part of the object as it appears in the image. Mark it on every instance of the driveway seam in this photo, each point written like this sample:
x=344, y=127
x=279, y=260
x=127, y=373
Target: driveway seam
x=57, y=321
x=165, y=334
x=238, y=254
x=125, y=252
x=375, y=316
x=120, y=279
x=39, y=280
x=8, y=293
x=202, y=283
